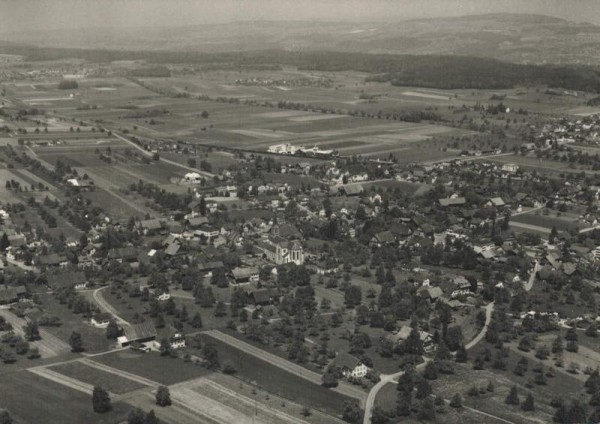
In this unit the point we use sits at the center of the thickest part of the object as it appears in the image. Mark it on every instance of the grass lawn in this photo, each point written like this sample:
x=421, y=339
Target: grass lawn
x=33, y=399
x=94, y=339
x=278, y=381
x=111, y=382
x=164, y=370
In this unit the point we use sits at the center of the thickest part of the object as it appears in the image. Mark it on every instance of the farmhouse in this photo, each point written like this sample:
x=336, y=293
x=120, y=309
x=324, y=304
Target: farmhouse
x=192, y=178
x=452, y=201
x=281, y=251
x=10, y=294
x=123, y=254
x=196, y=221
x=141, y=333
x=101, y=320
x=510, y=167
x=350, y=366
x=177, y=341
x=208, y=231
x=244, y=275
x=382, y=238
x=51, y=260
x=263, y=296
x=72, y=279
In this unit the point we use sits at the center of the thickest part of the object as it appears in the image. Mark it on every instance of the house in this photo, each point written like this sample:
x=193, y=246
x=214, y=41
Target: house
x=352, y=190
x=101, y=320
x=196, y=221
x=151, y=225
x=71, y=279
x=452, y=201
x=510, y=167
x=177, y=341
x=123, y=254
x=245, y=275
x=350, y=366
x=12, y=294
x=51, y=260
x=431, y=293
x=263, y=296
x=496, y=202
x=208, y=231
x=281, y=251
x=382, y=238
x=404, y=333
x=172, y=249
x=140, y=333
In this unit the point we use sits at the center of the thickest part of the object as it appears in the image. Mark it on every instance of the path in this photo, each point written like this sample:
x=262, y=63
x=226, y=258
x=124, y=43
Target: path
x=343, y=388
x=103, y=304
x=170, y=162
x=392, y=378
x=385, y=379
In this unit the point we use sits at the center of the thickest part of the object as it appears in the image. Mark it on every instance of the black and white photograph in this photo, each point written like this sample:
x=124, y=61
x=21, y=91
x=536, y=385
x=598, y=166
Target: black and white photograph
x=299, y=211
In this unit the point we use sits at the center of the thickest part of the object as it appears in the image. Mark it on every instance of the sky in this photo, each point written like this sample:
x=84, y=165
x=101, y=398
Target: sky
x=22, y=15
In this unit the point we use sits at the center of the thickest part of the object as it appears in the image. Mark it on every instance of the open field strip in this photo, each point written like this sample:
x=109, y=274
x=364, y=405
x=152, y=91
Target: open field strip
x=315, y=117
x=235, y=401
x=343, y=388
x=102, y=367
x=63, y=379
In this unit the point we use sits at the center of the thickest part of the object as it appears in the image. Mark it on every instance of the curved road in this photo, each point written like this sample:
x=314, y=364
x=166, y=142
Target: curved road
x=391, y=378
x=103, y=304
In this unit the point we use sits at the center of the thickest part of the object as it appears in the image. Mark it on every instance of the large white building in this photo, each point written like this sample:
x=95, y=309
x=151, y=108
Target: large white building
x=281, y=251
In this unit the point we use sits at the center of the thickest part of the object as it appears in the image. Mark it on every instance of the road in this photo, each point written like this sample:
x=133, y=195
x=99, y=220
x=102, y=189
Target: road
x=343, y=388
x=392, y=378
x=170, y=162
x=384, y=379
x=107, y=307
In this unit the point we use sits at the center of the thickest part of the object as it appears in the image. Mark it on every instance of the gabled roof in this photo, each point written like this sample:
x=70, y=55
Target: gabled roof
x=10, y=293
x=240, y=273
x=128, y=252
x=197, y=221
x=172, y=249
x=152, y=224
x=452, y=201
x=66, y=279
x=51, y=259
x=346, y=361
x=385, y=237
x=144, y=330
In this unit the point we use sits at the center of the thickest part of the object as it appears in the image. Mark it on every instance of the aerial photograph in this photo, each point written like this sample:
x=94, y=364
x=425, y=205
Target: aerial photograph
x=299, y=211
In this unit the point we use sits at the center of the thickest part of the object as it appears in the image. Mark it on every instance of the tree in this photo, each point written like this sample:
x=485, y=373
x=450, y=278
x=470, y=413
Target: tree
x=352, y=296
x=351, y=412
x=76, y=342
x=136, y=416
x=5, y=417
x=32, y=331
x=557, y=345
x=197, y=320
x=151, y=418
x=112, y=330
x=211, y=356
x=461, y=354
x=431, y=371
x=427, y=410
x=163, y=396
x=329, y=379
x=513, y=396
x=456, y=401
x=529, y=404
x=100, y=400
x=4, y=242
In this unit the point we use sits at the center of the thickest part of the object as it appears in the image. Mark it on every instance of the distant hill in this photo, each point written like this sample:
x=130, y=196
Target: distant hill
x=525, y=39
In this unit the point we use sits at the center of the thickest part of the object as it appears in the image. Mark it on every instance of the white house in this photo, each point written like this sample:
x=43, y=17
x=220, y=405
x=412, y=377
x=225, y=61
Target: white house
x=177, y=341
x=350, y=366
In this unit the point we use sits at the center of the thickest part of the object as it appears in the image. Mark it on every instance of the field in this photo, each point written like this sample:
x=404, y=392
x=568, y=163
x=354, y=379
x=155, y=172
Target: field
x=164, y=370
x=33, y=399
x=279, y=382
x=111, y=382
x=94, y=339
